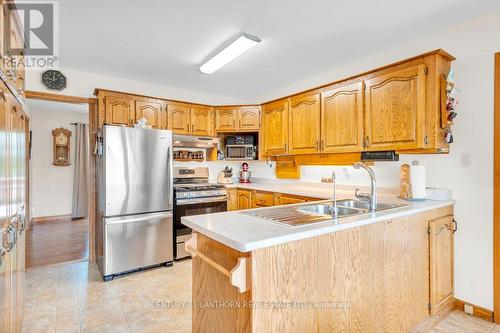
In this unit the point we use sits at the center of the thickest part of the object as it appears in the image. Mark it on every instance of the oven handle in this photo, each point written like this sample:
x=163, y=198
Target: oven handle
x=182, y=202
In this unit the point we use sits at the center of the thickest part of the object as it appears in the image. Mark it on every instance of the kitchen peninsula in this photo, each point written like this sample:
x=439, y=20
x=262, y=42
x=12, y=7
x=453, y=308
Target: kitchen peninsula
x=386, y=271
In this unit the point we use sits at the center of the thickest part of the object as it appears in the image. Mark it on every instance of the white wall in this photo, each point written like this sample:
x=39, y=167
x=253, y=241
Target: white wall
x=81, y=83
x=473, y=44
x=52, y=187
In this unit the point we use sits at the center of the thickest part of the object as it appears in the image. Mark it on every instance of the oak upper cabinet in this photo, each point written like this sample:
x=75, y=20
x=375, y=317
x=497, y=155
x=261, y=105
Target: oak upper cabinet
x=153, y=112
x=395, y=109
x=201, y=120
x=342, y=119
x=275, y=127
x=119, y=111
x=249, y=118
x=232, y=199
x=244, y=199
x=441, y=263
x=179, y=115
x=226, y=119
x=304, y=124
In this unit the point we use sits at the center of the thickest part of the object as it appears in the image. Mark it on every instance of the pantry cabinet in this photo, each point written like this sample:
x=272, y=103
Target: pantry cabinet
x=342, y=119
x=275, y=127
x=304, y=124
x=244, y=199
x=395, y=110
x=237, y=119
x=441, y=262
x=202, y=120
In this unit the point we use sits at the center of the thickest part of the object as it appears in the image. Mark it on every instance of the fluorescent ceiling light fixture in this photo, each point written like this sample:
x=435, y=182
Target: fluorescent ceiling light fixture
x=237, y=47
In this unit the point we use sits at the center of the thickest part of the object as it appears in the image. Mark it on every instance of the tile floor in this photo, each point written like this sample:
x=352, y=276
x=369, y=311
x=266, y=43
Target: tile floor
x=72, y=298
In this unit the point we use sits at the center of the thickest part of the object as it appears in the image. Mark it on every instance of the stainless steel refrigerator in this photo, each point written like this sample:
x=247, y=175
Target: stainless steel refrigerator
x=134, y=199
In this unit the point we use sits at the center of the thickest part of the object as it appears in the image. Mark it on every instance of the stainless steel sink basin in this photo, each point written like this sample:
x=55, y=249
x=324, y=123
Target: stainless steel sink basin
x=365, y=205
x=294, y=216
x=326, y=209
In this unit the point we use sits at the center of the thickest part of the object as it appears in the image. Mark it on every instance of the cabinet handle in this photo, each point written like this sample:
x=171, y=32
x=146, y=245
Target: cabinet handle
x=322, y=144
x=234, y=123
x=455, y=226
x=2, y=94
x=317, y=145
x=192, y=128
x=285, y=146
x=239, y=124
x=367, y=141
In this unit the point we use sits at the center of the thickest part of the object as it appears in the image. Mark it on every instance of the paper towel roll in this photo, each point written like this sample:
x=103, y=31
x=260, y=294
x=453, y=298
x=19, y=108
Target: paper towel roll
x=417, y=180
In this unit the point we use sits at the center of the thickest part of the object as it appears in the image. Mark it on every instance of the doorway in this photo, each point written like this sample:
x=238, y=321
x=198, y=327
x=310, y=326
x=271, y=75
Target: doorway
x=60, y=187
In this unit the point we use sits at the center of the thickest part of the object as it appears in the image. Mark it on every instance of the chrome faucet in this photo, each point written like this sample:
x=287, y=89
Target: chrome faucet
x=334, y=211
x=372, y=196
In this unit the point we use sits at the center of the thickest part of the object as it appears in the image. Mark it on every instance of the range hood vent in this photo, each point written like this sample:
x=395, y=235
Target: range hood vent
x=379, y=156
x=192, y=141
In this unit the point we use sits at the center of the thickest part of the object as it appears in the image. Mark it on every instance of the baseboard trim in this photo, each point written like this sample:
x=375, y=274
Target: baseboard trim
x=52, y=219
x=477, y=310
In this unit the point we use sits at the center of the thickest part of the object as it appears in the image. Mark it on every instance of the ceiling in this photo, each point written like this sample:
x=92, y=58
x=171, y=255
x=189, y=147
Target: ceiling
x=164, y=42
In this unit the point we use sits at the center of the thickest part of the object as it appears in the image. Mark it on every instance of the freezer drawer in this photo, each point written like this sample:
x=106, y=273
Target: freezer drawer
x=136, y=241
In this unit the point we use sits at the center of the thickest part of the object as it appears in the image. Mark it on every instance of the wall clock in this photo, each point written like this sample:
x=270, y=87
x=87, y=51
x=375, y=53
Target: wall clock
x=54, y=80
x=61, y=140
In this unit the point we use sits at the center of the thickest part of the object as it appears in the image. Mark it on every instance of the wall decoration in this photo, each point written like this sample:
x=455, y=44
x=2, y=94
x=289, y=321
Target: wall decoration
x=61, y=140
x=188, y=156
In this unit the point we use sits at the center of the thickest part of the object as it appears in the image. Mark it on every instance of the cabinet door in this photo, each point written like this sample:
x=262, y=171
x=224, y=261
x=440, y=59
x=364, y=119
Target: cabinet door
x=342, y=119
x=275, y=127
x=395, y=110
x=304, y=124
x=119, y=111
x=441, y=262
x=262, y=199
x=244, y=199
x=225, y=119
x=249, y=118
x=201, y=120
x=180, y=117
x=152, y=111
x=232, y=199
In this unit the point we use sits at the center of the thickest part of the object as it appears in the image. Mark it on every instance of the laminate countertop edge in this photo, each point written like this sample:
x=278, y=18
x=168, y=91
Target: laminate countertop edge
x=246, y=233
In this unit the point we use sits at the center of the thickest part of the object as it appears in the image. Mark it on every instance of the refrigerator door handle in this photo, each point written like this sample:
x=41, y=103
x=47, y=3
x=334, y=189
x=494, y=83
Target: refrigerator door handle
x=137, y=218
x=170, y=177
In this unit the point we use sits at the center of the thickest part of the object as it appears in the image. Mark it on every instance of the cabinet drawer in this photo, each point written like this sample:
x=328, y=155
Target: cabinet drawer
x=288, y=199
x=263, y=199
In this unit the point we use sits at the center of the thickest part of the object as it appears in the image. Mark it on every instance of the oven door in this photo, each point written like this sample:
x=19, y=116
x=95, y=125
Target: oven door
x=190, y=207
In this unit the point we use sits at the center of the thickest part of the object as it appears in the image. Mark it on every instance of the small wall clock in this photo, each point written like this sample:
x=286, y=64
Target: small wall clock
x=61, y=139
x=54, y=80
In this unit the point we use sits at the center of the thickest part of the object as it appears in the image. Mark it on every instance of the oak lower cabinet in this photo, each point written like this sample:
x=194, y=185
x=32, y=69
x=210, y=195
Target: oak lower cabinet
x=304, y=124
x=275, y=128
x=180, y=117
x=153, y=112
x=441, y=263
x=202, y=120
x=387, y=263
x=237, y=119
x=342, y=119
x=262, y=199
x=289, y=199
x=244, y=199
x=395, y=110
x=119, y=111
x=232, y=199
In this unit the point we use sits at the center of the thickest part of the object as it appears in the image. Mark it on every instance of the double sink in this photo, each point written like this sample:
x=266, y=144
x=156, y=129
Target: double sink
x=306, y=214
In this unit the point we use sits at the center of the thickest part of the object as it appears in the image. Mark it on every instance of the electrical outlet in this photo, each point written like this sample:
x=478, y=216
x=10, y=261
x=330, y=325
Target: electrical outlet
x=466, y=160
x=468, y=309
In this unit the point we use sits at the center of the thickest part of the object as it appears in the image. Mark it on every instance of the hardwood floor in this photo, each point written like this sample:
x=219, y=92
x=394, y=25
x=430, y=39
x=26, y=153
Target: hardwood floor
x=57, y=241
x=72, y=298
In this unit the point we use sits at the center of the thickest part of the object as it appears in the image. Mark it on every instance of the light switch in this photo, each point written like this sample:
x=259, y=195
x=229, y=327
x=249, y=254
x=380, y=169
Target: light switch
x=466, y=160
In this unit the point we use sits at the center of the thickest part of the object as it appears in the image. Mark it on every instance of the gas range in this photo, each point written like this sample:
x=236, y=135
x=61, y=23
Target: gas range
x=185, y=191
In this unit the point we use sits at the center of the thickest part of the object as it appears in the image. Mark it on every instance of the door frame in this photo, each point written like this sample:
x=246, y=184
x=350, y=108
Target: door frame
x=92, y=105
x=496, y=195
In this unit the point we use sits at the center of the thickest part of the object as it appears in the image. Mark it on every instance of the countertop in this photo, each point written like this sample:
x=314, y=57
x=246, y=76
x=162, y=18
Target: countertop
x=246, y=233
